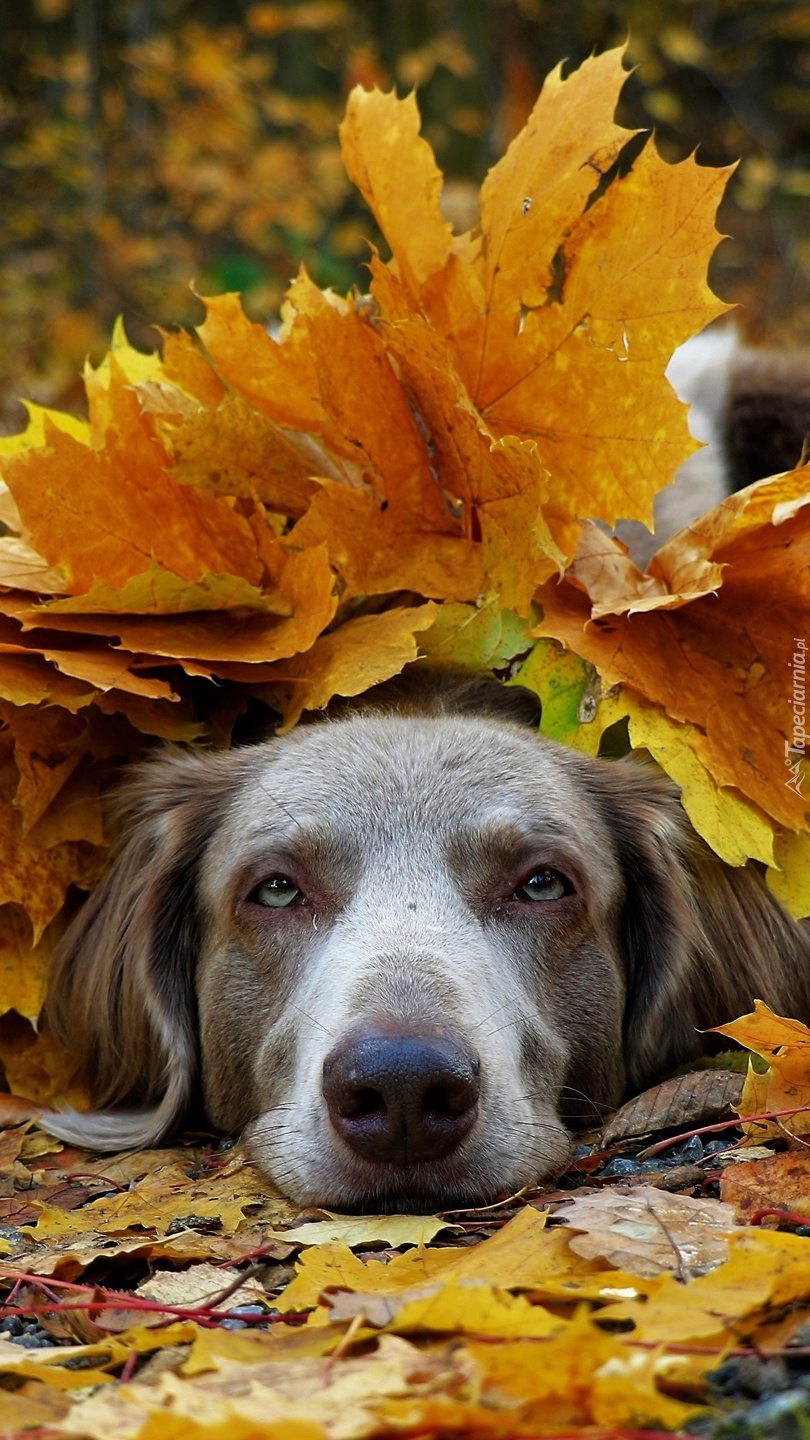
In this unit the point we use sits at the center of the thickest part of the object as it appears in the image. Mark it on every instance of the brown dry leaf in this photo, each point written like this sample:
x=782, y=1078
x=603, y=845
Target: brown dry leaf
x=704, y=652
x=48, y=746
x=680, y=1103
x=68, y=1259
x=202, y=1284
x=781, y=1182
x=35, y=1066
x=649, y=1232
x=23, y=569
x=717, y=665
x=33, y=881
x=15, y=1110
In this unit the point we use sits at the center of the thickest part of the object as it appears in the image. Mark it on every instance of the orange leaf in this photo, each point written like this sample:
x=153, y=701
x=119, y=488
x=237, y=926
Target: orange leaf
x=361, y=653
x=395, y=171
x=103, y=514
x=785, y=1044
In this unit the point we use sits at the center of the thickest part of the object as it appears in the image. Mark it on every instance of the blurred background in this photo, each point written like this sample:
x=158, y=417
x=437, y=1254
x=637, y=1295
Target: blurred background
x=152, y=146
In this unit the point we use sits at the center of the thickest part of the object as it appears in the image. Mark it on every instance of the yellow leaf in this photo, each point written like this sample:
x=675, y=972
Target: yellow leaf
x=764, y=1268
x=361, y=653
x=473, y=1309
x=474, y=638
x=790, y=881
x=356, y=1230
x=736, y=830
x=785, y=1044
x=103, y=514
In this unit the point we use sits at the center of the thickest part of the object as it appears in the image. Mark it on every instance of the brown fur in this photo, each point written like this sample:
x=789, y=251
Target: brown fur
x=767, y=420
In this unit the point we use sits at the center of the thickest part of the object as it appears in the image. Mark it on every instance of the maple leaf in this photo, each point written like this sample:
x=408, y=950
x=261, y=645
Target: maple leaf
x=785, y=1085
x=561, y=314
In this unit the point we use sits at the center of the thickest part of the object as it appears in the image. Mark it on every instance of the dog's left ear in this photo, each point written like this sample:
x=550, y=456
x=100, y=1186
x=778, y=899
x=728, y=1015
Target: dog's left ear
x=701, y=940
x=122, y=988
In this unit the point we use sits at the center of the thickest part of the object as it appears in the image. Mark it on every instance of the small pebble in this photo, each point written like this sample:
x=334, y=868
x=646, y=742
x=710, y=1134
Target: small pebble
x=781, y=1417
x=749, y=1376
x=713, y=1146
x=622, y=1166
x=689, y=1153
x=233, y=1324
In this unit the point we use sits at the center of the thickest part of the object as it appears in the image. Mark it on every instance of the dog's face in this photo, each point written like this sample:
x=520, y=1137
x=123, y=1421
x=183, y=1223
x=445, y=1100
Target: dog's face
x=410, y=942
x=402, y=952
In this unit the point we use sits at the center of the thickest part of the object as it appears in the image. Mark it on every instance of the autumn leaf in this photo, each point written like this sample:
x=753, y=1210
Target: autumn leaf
x=785, y=1086
x=695, y=1098
x=561, y=316
x=705, y=677
x=780, y=1182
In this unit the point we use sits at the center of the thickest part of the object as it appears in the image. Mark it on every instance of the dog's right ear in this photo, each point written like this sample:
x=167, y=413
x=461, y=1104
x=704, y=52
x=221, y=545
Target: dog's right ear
x=121, y=996
x=701, y=940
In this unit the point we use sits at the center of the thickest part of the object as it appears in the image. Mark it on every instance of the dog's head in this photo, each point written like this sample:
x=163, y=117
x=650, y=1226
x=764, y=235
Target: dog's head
x=401, y=951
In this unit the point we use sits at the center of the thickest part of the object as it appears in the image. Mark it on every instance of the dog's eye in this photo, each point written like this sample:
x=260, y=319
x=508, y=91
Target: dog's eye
x=545, y=885
x=276, y=892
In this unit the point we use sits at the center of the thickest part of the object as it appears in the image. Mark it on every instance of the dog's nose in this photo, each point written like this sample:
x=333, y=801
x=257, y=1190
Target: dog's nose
x=402, y=1098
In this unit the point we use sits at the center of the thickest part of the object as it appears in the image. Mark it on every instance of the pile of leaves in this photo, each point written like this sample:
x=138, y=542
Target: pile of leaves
x=165, y=1295
x=402, y=478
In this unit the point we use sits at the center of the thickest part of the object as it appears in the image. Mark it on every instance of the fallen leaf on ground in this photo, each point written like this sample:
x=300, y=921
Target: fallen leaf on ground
x=358, y=1230
x=685, y=1101
x=780, y=1182
x=646, y=1232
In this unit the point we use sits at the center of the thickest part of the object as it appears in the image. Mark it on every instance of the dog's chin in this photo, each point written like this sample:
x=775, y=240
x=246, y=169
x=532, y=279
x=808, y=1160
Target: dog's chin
x=391, y=1198
x=358, y=1187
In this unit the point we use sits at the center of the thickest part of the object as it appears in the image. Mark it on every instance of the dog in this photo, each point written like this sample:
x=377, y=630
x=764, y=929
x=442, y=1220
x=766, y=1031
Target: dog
x=405, y=950
x=751, y=410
